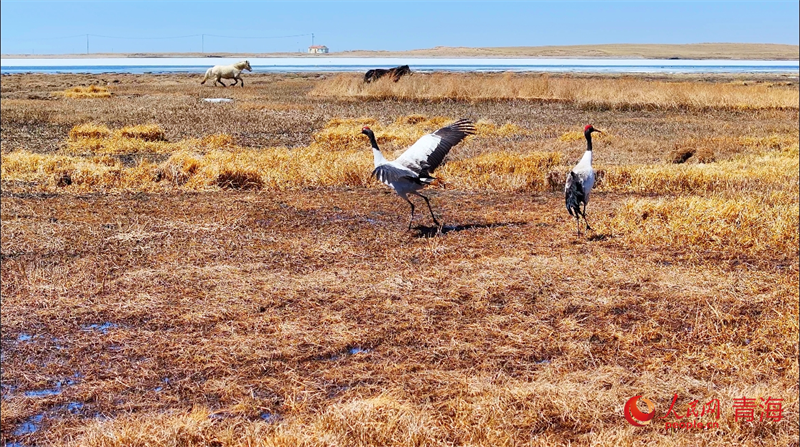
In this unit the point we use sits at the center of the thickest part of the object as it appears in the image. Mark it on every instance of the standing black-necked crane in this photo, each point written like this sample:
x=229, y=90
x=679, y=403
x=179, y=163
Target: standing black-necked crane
x=580, y=181
x=412, y=170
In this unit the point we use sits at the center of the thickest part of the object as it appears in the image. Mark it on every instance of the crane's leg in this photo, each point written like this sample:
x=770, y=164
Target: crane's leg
x=584, y=218
x=412, y=212
x=429, y=208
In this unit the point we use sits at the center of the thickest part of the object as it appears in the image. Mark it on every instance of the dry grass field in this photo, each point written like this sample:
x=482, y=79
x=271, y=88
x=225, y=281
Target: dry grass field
x=177, y=272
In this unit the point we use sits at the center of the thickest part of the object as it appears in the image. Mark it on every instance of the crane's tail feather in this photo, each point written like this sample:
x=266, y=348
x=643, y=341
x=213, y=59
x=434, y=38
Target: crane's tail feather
x=574, y=195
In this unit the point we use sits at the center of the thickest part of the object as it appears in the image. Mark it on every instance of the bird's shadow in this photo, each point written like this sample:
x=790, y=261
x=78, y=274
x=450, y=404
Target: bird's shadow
x=599, y=237
x=426, y=232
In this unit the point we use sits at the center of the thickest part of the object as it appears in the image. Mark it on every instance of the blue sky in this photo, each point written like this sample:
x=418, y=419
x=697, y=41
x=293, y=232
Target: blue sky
x=147, y=26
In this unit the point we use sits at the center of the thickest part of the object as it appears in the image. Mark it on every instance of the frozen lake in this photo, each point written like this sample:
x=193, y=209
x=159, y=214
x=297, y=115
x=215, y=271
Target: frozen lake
x=343, y=64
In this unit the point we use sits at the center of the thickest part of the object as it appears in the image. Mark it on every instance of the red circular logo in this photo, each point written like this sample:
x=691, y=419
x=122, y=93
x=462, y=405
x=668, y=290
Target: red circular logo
x=637, y=417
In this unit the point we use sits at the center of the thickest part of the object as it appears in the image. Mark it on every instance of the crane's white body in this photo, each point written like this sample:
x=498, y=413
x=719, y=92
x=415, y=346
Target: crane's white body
x=403, y=174
x=396, y=176
x=585, y=175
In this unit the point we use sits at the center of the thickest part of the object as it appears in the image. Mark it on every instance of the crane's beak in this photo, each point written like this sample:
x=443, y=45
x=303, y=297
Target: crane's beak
x=595, y=130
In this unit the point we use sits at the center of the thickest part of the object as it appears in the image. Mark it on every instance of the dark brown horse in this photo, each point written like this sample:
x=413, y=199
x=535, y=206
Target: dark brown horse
x=395, y=73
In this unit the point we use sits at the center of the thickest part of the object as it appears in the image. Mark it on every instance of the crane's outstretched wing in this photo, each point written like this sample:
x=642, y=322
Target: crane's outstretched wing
x=573, y=194
x=388, y=174
x=429, y=151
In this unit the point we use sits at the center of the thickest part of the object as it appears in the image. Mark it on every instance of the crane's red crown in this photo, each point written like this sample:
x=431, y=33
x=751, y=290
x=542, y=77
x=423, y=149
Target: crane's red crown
x=365, y=128
x=588, y=127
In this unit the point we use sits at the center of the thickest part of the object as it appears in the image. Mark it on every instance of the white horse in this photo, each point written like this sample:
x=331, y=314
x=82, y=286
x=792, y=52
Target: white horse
x=227, y=72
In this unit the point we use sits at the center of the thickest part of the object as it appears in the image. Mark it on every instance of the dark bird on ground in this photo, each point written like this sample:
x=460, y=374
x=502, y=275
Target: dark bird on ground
x=580, y=181
x=412, y=170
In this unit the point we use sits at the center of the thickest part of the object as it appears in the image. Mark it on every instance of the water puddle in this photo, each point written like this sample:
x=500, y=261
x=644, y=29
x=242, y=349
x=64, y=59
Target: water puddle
x=269, y=417
x=74, y=407
x=353, y=350
x=166, y=382
x=102, y=328
x=7, y=390
x=52, y=391
x=24, y=337
x=44, y=393
x=31, y=425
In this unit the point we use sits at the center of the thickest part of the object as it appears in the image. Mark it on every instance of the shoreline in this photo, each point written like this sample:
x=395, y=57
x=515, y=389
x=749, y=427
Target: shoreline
x=719, y=51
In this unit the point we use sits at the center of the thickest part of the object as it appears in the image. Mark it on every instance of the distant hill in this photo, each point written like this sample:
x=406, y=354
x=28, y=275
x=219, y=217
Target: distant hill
x=745, y=51
x=626, y=51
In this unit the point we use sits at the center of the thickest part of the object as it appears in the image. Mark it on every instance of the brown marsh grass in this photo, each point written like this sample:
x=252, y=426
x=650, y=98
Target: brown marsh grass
x=229, y=274
x=619, y=93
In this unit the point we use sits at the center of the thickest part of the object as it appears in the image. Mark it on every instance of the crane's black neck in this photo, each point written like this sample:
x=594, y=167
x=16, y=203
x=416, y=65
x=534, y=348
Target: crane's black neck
x=588, y=136
x=373, y=141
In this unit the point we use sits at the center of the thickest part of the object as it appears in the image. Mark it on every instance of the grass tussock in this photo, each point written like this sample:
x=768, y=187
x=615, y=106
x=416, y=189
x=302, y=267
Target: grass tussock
x=345, y=133
x=753, y=225
x=500, y=171
x=272, y=168
x=99, y=139
x=707, y=149
x=81, y=173
x=92, y=139
x=624, y=93
x=89, y=130
x=743, y=175
x=218, y=141
x=144, y=132
x=90, y=92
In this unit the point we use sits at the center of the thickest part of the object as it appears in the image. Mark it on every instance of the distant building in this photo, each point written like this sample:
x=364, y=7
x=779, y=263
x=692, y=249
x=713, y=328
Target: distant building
x=317, y=49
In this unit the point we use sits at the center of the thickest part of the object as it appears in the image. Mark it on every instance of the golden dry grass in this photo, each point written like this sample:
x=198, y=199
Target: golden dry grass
x=145, y=132
x=345, y=134
x=90, y=139
x=742, y=175
x=337, y=158
x=752, y=225
x=624, y=93
x=501, y=171
x=261, y=290
x=92, y=91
